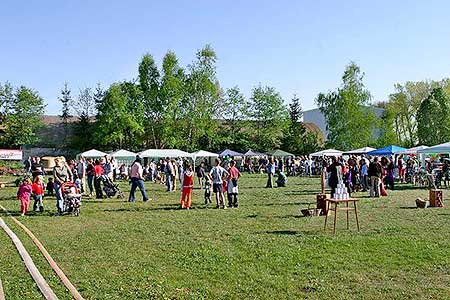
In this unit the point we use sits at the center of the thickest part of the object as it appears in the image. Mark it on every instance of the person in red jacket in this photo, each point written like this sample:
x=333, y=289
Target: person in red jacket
x=38, y=193
x=188, y=184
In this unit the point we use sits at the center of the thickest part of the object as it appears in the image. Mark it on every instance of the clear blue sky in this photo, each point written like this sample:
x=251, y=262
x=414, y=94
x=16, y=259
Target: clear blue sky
x=298, y=47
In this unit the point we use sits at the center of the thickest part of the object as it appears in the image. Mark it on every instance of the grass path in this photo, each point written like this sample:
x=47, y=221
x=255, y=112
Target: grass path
x=263, y=250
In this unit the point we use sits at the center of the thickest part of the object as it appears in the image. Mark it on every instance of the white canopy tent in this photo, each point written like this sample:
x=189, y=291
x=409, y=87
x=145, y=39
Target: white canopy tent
x=413, y=150
x=441, y=148
x=328, y=152
x=123, y=154
x=93, y=153
x=203, y=154
x=159, y=153
x=362, y=150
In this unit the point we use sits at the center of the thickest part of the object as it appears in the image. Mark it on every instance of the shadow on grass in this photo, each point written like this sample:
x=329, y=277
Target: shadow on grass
x=308, y=192
x=408, y=207
x=284, y=232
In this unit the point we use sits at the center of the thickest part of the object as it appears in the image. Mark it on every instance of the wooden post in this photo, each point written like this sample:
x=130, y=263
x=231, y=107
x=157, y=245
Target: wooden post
x=322, y=182
x=2, y=293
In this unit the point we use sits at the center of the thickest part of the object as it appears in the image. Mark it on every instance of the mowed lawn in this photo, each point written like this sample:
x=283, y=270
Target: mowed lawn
x=262, y=250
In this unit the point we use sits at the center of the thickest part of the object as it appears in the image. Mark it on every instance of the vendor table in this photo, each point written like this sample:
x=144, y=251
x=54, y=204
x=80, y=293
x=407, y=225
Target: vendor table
x=337, y=207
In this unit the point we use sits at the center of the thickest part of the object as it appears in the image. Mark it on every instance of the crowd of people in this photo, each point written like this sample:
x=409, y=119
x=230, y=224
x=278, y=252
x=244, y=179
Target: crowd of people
x=359, y=173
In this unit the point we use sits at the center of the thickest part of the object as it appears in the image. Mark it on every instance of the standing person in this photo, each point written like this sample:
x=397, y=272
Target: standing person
x=188, y=185
x=81, y=173
x=168, y=171
x=98, y=172
x=107, y=168
x=90, y=173
x=137, y=180
x=61, y=174
x=36, y=168
x=24, y=194
x=232, y=186
x=333, y=179
x=114, y=167
x=375, y=173
x=38, y=193
x=174, y=174
x=364, y=174
x=216, y=175
x=27, y=165
x=50, y=186
x=201, y=174
x=270, y=172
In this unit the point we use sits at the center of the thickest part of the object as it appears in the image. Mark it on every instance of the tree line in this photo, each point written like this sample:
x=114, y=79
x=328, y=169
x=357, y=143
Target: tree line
x=171, y=106
x=417, y=113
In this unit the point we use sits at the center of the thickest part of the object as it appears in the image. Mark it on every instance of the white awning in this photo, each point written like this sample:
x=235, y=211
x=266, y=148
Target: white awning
x=158, y=153
x=92, y=153
x=328, y=152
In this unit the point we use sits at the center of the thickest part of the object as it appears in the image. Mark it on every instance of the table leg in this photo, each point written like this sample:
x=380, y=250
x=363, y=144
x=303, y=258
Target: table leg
x=347, y=216
x=356, y=215
x=335, y=217
x=327, y=205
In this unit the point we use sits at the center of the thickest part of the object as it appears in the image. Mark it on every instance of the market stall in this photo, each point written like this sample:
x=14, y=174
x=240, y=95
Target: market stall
x=327, y=152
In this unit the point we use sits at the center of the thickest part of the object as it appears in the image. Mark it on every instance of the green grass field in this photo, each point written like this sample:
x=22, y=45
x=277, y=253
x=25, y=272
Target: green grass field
x=262, y=250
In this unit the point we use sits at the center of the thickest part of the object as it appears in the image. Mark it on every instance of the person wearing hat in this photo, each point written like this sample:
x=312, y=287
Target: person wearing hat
x=137, y=180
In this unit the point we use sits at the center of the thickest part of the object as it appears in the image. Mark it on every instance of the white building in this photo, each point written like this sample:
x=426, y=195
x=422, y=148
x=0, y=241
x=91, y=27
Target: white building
x=316, y=117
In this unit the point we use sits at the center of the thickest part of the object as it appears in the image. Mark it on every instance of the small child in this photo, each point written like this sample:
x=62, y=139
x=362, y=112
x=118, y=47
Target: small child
x=50, y=186
x=188, y=184
x=23, y=194
x=208, y=189
x=38, y=193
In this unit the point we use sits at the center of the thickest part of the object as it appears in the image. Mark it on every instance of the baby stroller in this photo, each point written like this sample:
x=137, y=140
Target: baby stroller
x=72, y=198
x=111, y=189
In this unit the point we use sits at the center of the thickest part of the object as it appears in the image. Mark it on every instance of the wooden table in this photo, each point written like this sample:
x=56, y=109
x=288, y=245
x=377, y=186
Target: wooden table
x=336, y=208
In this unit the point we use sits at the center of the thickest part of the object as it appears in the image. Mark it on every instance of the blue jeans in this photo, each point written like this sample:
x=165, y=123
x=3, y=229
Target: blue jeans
x=59, y=198
x=90, y=181
x=169, y=182
x=136, y=182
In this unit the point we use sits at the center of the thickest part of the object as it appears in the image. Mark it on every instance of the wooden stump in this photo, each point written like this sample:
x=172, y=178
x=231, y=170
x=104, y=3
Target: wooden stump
x=322, y=203
x=436, y=198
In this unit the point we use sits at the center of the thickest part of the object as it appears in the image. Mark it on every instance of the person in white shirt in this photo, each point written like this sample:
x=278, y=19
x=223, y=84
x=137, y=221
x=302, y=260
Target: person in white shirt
x=137, y=180
x=217, y=174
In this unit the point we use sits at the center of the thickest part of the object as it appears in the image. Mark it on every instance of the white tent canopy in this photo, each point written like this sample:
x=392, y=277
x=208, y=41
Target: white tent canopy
x=203, y=153
x=158, y=153
x=328, y=152
x=92, y=154
x=441, y=148
x=413, y=150
x=123, y=154
x=362, y=150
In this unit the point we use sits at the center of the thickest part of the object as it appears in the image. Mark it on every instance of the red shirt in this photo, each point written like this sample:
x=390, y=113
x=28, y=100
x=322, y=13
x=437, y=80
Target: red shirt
x=37, y=188
x=188, y=180
x=98, y=170
x=234, y=172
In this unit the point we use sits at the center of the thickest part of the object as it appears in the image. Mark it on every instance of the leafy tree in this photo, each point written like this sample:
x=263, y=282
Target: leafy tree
x=202, y=94
x=115, y=125
x=171, y=95
x=349, y=119
x=433, y=118
x=386, y=126
x=66, y=101
x=23, y=112
x=269, y=117
x=135, y=108
x=153, y=108
x=234, y=130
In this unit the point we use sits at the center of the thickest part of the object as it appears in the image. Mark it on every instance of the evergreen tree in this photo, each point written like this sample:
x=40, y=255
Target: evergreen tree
x=66, y=101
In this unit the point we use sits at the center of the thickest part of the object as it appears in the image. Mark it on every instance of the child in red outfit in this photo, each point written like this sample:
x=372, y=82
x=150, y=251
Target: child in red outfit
x=188, y=184
x=23, y=194
x=38, y=193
